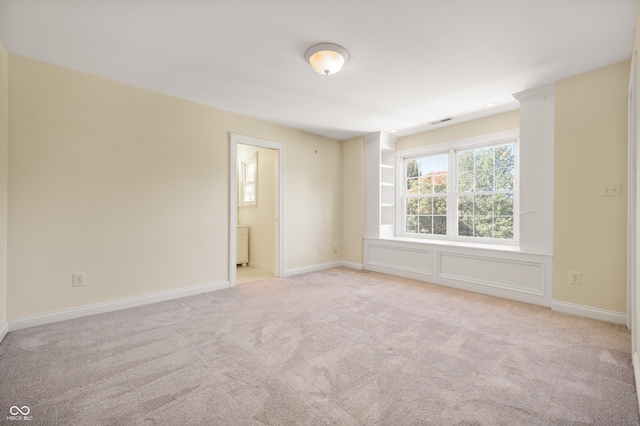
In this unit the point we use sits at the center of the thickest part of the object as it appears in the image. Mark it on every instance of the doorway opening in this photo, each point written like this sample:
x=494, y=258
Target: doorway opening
x=256, y=205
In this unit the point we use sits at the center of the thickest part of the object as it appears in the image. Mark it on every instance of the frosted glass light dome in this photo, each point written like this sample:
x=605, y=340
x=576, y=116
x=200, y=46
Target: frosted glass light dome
x=327, y=58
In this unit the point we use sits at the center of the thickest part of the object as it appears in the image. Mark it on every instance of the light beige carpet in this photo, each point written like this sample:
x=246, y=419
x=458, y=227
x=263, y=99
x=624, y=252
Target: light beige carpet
x=333, y=347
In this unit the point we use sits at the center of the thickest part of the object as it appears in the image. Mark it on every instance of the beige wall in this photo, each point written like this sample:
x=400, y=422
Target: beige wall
x=313, y=208
x=635, y=48
x=4, y=138
x=591, y=149
x=352, y=199
x=131, y=187
x=261, y=216
x=636, y=34
x=469, y=129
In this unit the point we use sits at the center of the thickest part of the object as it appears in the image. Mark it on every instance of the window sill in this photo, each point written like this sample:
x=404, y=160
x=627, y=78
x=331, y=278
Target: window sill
x=462, y=244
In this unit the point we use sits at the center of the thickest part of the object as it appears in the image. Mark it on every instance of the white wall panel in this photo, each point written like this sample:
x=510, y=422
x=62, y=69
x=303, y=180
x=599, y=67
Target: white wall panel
x=506, y=273
x=405, y=258
x=509, y=274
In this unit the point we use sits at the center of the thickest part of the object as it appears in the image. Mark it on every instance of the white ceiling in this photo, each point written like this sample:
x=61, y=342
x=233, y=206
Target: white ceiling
x=411, y=61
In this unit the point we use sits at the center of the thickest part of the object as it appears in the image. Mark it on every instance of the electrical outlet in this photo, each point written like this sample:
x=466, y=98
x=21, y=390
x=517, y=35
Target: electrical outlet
x=319, y=249
x=335, y=247
x=610, y=190
x=77, y=280
x=575, y=277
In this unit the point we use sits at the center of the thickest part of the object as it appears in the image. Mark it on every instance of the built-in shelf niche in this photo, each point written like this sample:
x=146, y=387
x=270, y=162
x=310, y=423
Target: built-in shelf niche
x=380, y=185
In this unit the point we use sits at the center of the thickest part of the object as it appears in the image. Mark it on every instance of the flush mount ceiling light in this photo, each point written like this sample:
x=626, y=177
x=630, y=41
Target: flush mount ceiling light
x=327, y=58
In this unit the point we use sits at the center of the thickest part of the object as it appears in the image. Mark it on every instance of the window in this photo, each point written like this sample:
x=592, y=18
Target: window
x=249, y=181
x=485, y=192
x=426, y=202
x=461, y=192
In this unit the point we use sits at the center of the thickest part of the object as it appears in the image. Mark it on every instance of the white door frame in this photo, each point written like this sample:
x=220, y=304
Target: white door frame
x=632, y=199
x=233, y=201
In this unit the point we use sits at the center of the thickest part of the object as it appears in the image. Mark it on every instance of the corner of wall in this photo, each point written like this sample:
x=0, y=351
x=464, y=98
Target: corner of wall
x=352, y=154
x=4, y=142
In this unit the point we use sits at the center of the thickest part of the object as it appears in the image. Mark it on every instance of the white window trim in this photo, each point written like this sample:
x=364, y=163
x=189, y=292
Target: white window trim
x=450, y=148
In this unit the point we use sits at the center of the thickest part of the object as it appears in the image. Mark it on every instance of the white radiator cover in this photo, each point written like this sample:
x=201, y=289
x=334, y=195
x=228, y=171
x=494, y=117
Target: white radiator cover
x=506, y=273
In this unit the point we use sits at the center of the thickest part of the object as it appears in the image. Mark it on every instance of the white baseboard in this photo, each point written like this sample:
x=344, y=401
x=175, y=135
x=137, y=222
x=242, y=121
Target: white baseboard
x=116, y=305
x=589, y=312
x=352, y=265
x=4, y=329
x=314, y=268
x=322, y=267
x=636, y=374
x=267, y=268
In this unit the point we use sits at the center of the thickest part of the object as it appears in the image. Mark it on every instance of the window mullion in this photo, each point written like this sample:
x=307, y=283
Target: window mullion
x=452, y=198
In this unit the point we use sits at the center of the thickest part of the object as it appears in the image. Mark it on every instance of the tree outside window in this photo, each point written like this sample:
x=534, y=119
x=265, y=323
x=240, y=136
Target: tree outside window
x=486, y=181
x=426, y=191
